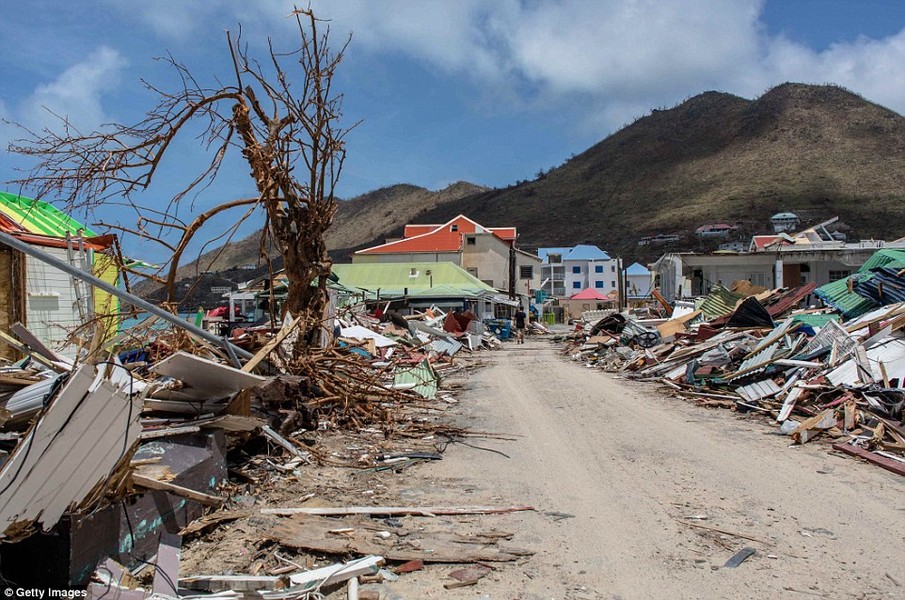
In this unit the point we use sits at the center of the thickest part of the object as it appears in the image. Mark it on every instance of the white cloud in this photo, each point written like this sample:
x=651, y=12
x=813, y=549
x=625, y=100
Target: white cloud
x=872, y=68
x=621, y=57
x=75, y=94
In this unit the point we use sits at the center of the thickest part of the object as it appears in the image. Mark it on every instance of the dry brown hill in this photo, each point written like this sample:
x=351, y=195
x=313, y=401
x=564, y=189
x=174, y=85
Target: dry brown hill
x=358, y=221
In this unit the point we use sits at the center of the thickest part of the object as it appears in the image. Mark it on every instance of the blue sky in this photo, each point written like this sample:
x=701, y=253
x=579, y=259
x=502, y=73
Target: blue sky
x=487, y=91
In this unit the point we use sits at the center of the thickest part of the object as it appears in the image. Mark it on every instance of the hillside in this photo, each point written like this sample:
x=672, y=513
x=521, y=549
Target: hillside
x=818, y=151
x=358, y=221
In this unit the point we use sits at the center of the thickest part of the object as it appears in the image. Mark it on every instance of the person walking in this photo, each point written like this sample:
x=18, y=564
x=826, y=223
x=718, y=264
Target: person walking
x=521, y=322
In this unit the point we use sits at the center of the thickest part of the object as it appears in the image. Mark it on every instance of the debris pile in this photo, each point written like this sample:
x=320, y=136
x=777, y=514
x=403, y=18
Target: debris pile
x=111, y=461
x=806, y=369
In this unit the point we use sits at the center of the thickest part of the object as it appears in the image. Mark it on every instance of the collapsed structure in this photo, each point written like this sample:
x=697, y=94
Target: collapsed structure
x=835, y=372
x=115, y=444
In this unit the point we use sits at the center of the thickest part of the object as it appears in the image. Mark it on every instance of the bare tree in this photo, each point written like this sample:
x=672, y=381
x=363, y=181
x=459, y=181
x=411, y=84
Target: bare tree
x=282, y=115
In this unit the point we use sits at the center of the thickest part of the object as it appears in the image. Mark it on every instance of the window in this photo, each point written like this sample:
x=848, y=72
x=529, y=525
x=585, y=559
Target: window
x=525, y=271
x=598, y=268
x=612, y=268
x=598, y=284
x=576, y=269
x=471, y=240
x=576, y=285
x=613, y=284
x=837, y=275
x=554, y=259
x=454, y=228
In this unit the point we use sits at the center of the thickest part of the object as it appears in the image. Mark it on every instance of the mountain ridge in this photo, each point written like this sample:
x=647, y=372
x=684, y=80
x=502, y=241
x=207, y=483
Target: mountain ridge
x=817, y=150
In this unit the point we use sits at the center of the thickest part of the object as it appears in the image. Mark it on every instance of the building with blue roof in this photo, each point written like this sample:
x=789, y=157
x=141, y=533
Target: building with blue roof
x=638, y=282
x=568, y=270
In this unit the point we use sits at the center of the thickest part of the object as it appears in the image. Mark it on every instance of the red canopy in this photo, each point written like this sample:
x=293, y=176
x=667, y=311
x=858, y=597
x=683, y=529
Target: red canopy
x=588, y=294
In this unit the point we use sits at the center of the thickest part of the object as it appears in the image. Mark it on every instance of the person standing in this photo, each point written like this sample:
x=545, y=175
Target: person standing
x=521, y=322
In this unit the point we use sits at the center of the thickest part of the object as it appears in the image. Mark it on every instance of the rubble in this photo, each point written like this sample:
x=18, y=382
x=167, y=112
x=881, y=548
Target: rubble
x=108, y=453
x=813, y=374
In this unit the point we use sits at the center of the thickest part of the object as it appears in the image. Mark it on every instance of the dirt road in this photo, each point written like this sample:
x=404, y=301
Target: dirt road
x=616, y=469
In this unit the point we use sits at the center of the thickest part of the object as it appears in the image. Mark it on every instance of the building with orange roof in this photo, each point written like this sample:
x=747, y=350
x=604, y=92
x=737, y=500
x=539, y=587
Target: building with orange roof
x=488, y=253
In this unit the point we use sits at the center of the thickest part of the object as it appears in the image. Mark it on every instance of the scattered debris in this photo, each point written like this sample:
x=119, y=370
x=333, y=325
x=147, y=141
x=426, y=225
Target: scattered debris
x=755, y=352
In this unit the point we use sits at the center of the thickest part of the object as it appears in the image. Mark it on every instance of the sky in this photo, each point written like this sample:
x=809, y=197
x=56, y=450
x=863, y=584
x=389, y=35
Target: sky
x=486, y=91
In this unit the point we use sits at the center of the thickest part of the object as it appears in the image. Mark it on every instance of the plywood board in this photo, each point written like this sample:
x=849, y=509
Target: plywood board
x=203, y=379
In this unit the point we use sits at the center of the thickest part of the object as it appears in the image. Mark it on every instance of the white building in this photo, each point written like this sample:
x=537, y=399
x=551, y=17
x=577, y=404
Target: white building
x=785, y=221
x=567, y=271
x=638, y=282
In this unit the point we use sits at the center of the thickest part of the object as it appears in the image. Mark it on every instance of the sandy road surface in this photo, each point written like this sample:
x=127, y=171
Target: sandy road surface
x=613, y=466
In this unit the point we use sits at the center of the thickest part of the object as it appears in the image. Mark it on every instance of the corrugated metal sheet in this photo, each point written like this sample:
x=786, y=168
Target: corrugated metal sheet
x=849, y=303
x=447, y=346
x=28, y=401
x=829, y=334
x=72, y=448
x=719, y=302
x=837, y=295
x=886, y=286
x=790, y=298
x=758, y=361
x=422, y=379
x=35, y=216
x=758, y=390
x=891, y=353
x=815, y=320
x=774, y=336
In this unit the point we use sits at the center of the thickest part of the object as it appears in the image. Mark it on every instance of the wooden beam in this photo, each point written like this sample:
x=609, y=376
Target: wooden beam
x=424, y=511
x=265, y=351
x=178, y=490
x=881, y=461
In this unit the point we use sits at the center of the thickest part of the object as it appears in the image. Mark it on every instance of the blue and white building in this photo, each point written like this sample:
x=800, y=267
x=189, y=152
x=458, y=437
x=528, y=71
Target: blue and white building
x=567, y=271
x=639, y=282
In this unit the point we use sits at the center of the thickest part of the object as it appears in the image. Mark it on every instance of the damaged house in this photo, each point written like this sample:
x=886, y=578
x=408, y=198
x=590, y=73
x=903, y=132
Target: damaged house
x=49, y=302
x=813, y=256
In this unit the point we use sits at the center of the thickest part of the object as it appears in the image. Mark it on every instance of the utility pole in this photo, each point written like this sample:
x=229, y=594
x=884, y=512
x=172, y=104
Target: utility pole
x=512, y=271
x=621, y=284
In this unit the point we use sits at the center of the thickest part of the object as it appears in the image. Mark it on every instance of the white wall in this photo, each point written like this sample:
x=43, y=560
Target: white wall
x=638, y=286
x=588, y=275
x=51, y=312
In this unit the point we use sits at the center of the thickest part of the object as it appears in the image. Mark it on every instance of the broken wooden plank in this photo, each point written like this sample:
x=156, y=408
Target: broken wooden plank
x=819, y=422
x=202, y=523
x=438, y=540
x=725, y=532
x=153, y=434
x=177, y=490
x=234, y=583
x=281, y=441
x=265, y=350
x=881, y=461
x=423, y=511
